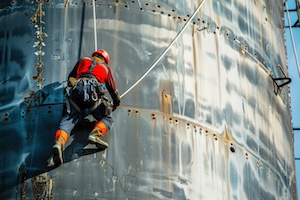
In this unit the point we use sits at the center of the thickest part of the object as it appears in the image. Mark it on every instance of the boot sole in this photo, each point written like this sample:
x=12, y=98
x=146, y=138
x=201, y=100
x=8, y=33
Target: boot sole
x=98, y=145
x=56, y=157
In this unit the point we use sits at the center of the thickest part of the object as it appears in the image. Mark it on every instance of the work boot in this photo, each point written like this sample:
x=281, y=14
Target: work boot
x=94, y=138
x=57, y=154
x=57, y=151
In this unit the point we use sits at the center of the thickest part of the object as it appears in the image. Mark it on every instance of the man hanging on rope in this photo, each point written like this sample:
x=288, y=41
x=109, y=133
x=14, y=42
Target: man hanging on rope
x=88, y=82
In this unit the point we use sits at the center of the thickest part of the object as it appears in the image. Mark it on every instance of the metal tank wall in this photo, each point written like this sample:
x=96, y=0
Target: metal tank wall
x=211, y=121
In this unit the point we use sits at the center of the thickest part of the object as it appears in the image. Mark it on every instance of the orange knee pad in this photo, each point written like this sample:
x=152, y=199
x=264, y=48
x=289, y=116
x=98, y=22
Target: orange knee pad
x=62, y=134
x=101, y=126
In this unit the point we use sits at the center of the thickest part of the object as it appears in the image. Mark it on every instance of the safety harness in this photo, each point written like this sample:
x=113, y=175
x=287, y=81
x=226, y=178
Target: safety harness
x=88, y=93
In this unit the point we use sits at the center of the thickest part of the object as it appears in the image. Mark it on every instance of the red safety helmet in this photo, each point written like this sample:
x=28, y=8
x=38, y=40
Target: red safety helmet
x=102, y=53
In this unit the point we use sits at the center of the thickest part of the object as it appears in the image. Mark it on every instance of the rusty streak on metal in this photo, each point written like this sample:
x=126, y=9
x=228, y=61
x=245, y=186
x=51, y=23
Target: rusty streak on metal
x=37, y=21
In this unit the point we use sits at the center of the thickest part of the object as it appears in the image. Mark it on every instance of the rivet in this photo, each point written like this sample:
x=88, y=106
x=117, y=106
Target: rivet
x=232, y=149
x=153, y=117
x=6, y=117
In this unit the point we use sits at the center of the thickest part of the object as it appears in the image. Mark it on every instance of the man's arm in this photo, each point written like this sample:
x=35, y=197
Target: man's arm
x=112, y=88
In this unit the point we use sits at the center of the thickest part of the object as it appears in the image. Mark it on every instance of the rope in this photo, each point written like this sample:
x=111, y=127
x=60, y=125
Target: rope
x=166, y=50
x=292, y=37
x=95, y=28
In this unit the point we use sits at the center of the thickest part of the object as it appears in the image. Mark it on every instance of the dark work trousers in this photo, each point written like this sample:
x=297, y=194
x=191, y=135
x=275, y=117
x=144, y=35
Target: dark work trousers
x=70, y=119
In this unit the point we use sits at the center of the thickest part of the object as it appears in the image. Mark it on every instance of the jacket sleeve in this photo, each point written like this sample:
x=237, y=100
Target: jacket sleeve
x=112, y=88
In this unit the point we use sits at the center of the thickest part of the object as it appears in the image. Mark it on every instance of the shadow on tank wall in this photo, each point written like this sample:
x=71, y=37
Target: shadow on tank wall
x=27, y=136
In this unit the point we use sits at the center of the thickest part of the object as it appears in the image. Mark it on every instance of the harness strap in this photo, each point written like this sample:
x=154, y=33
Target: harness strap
x=86, y=95
x=67, y=104
x=91, y=82
x=98, y=83
x=93, y=65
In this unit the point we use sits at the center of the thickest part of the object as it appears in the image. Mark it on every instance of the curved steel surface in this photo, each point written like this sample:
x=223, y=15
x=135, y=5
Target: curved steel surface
x=212, y=120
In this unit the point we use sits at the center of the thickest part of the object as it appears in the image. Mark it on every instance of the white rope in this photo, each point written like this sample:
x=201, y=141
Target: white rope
x=292, y=37
x=166, y=50
x=95, y=28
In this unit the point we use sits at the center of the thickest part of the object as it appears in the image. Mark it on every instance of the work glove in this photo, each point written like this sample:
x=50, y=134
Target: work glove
x=116, y=100
x=116, y=104
x=72, y=81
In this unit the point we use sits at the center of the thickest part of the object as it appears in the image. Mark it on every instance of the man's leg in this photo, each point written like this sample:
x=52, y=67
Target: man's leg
x=101, y=127
x=61, y=136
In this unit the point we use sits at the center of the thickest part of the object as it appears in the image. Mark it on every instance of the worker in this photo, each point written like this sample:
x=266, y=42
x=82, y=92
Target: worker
x=89, y=81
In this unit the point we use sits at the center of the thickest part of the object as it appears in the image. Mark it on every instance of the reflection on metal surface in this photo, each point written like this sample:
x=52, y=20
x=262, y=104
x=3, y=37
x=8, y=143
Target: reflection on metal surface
x=211, y=121
x=167, y=103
